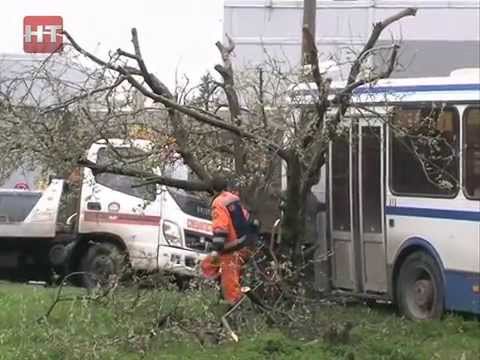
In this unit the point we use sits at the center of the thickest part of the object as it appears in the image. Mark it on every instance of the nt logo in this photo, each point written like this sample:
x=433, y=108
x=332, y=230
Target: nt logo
x=42, y=34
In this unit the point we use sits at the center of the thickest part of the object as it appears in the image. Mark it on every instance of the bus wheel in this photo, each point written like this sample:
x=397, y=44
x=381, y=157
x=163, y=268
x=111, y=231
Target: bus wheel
x=419, y=288
x=102, y=265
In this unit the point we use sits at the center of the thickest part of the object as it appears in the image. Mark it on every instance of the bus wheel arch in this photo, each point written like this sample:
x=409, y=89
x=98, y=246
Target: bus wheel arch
x=418, y=282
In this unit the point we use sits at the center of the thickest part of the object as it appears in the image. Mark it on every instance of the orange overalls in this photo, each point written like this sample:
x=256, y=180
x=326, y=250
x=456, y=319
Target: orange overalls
x=229, y=221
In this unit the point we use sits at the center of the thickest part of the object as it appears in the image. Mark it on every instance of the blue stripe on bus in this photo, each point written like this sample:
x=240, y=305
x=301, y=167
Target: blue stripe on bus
x=459, y=294
x=415, y=88
x=433, y=213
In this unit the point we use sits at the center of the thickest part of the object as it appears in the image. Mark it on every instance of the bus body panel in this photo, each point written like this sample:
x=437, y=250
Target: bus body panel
x=448, y=227
x=445, y=239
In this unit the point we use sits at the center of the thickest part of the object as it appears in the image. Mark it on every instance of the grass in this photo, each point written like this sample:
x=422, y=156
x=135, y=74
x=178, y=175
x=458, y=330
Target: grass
x=120, y=327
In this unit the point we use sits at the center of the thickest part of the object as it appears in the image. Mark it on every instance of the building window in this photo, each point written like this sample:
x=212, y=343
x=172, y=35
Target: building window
x=424, y=145
x=472, y=152
x=129, y=158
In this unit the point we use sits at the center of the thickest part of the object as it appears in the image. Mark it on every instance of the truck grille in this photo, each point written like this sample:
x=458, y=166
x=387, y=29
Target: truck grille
x=195, y=241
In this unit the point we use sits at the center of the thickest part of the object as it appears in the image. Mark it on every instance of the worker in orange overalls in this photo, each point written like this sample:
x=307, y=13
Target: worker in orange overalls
x=233, y=235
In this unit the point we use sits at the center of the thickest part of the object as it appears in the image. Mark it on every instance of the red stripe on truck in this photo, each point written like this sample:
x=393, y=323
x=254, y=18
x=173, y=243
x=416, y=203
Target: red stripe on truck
x=119, y=218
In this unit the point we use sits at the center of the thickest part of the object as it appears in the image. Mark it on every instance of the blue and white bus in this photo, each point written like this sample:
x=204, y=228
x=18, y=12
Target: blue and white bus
x=403, y=188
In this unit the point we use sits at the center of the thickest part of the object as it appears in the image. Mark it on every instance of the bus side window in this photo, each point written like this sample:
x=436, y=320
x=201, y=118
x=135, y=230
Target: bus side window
x=472, y=152
x=424, y=152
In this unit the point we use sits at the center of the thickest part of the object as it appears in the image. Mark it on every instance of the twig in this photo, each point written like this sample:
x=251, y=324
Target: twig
x=74, y=99
x=73, y=298
x=227, y=314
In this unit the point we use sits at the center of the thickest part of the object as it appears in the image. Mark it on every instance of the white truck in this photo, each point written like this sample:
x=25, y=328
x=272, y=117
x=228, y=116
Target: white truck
x=154, y=227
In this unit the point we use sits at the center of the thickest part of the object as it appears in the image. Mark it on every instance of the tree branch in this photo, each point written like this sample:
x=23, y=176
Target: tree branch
x=374, y=36
x=391, y=66
x=261, y=97
x=90, y=55
x=74, y=99
x=159, y=88
x=147, y=177
x=321, y=103
x=343, y=98
x=155, y=84
x=126, y=54
x=226, y=71
x=171, y=104
x=313, y=57
x=205, y=117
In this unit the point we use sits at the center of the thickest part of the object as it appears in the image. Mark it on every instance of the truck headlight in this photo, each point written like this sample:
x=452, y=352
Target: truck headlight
x=172, y=233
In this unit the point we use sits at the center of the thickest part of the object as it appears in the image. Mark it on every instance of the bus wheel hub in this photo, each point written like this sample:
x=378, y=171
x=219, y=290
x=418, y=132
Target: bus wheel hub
x=423, y=293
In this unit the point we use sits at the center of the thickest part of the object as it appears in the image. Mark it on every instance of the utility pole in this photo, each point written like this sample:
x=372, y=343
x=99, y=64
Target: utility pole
x=320, y=268
x=309, y=19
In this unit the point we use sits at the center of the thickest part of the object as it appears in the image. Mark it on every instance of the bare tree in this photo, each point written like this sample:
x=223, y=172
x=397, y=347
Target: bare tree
x=238, y=127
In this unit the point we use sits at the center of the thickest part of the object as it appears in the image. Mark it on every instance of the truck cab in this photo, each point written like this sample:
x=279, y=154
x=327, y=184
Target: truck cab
x=154, y=228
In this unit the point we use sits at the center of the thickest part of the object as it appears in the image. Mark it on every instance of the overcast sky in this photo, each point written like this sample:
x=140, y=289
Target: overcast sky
x=173, y=33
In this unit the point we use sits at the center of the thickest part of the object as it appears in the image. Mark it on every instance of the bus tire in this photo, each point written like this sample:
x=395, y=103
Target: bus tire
x=419, y=288
x=102, y=265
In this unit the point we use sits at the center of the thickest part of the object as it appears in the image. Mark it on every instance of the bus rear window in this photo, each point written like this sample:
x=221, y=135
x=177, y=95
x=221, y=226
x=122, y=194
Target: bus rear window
x=424, y=152
x=472, y=152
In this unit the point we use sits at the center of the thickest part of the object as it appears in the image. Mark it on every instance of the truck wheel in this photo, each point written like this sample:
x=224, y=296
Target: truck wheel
x=102, y=264
x=182, y=282
x=419, y=288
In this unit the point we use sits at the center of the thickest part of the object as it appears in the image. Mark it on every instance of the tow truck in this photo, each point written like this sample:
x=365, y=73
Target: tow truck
x=115, y=223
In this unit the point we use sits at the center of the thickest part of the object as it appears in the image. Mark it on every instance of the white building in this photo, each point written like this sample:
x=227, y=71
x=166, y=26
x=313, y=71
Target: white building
x=444, y=35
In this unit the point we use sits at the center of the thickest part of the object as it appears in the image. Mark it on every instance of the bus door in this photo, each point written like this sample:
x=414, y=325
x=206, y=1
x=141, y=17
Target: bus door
x=371, y=206
x=356, y=208
x=341, y=211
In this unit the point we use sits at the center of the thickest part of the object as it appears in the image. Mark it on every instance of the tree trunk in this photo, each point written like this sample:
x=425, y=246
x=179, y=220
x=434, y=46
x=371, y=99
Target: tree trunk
x=293, y=225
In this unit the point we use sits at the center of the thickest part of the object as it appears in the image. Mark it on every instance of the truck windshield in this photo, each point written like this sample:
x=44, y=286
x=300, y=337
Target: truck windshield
x=130, y=157
x=190, y=202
